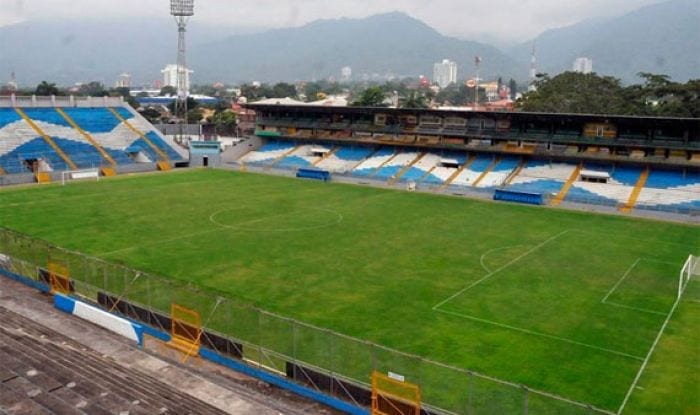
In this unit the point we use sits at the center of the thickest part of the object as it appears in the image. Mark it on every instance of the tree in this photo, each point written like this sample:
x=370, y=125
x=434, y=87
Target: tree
x=224, y=121
x=126, y=94
x=371, y=97
x=576, y=92
x=513, y=86
x=414, y=99
x=168, y=91
x=152, y=115
x=93, y=89
x=283, y=90
x=46, y=89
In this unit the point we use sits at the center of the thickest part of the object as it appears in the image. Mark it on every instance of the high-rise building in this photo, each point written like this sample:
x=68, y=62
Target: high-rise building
x=445, y=73
x=170, y=76
x=345, y=73
x=583, y=65
x=123, y=81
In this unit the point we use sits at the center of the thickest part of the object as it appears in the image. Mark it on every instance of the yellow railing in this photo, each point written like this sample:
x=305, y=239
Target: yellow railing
x=163, y=162
x=46, y=138
x=88, y=137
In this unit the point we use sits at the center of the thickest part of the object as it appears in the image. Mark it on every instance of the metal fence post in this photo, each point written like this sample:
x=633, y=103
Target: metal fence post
x=260, y=352
x=294, y=349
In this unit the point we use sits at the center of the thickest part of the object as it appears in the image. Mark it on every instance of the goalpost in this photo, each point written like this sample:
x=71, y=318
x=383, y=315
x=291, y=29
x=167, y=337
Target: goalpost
x=85, y=174
x=690, y=268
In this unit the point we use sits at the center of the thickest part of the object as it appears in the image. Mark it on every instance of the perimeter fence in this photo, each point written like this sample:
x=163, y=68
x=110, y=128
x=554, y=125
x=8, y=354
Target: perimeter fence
x=327, y=361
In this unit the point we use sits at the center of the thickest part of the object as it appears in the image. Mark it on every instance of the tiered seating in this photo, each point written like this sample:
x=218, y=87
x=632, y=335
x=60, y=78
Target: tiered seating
x=539, y=176
x=20, y=142
x=371, y=164
x=395, y=165
x=422, y=167
x=671, y=189
x=616, y=191
x=441, y=174
x=147, y=129
x=498, y=174
x=44, y=372
x=69, y=140
x=345, y=159
x=105, y=128
x=474, y=170
x=300, y=157
x=269, y=152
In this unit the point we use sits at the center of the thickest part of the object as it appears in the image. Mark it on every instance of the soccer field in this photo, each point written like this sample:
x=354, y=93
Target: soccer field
x=564, y=302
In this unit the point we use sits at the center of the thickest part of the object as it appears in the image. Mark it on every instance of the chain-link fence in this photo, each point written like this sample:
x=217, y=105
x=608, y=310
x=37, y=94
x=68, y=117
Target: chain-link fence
x=324, y=360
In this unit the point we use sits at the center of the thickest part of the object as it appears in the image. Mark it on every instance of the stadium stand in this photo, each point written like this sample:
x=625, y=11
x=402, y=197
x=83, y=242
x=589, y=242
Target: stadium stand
x=54, y=139
x=269, y=152
x=302, y=156
x=474, y=170
x=393, y=167
x=45, y=372
x=374, y=162
x=345, y=158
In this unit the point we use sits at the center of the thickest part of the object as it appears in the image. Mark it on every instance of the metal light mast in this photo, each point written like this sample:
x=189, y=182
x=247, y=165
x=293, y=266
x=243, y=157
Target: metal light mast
x=181, y=10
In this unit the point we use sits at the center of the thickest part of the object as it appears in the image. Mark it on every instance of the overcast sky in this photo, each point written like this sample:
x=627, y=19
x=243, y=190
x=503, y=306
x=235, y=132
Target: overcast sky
x=503, y=20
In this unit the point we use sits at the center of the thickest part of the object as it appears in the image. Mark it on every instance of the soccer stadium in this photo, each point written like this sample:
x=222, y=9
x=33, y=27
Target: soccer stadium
x=347, y=259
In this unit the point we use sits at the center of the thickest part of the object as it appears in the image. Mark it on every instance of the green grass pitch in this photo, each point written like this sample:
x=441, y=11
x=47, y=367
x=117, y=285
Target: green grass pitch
x=565, y=302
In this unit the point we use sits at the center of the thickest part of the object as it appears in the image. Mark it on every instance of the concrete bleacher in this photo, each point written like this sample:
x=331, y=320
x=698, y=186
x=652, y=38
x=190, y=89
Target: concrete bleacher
x=269, y=152
x=440, y=174
x=539, y=176
x=671, y=189
x=421, y=168
x=300, y=157
x=616, y=191
x=394, y=166
x=472, y=172
x=345, y=158
x=372, y=163
x=45, y=372
x=20, y=142
x=500, y=172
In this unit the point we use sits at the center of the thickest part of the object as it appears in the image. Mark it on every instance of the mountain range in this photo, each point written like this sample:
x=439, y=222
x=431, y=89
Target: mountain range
x=662, y=38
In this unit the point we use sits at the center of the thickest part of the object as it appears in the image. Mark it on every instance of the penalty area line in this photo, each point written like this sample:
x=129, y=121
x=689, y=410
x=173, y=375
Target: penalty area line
x=501, y=268
x=543, y=335
x=648, y=356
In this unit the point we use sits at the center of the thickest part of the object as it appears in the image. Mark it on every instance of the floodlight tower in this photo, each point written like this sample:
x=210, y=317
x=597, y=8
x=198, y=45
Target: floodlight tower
x=181, y=10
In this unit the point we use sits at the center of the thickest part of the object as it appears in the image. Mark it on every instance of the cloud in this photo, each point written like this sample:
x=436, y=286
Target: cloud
x=510, y=20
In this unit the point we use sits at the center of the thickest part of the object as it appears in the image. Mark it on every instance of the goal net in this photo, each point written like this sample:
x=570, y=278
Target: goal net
x=86, y=174
x=690, y=268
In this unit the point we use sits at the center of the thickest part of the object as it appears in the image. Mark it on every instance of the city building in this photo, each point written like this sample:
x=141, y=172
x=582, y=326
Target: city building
x=345, y=74
x=583, y=65
x=123, y=81
x=170, y=76
x=445, y=73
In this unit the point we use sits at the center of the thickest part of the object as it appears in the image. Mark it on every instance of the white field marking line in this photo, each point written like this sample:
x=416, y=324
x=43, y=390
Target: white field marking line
x=630, y=237
x=624, y=276
x=490, y=251
x=629, y=307
x=489, y=275
x=543, y=335
x=651, y=351
x=221, y=228
x=241, y=226
x=162, y=241
x=617, y=284
x=98, y=194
